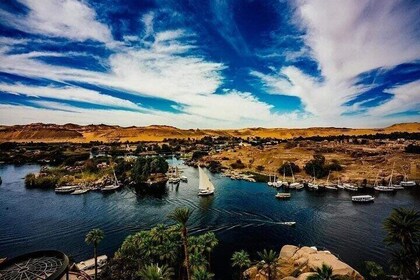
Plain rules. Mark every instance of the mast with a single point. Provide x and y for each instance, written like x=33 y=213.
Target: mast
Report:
x=293 y=176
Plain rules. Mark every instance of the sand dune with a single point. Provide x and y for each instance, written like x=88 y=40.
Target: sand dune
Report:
x=39 y=132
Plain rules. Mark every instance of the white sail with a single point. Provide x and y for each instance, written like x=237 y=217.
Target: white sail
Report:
x=204 y=183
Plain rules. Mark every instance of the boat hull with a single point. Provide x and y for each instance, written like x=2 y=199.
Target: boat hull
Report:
x=205 y=193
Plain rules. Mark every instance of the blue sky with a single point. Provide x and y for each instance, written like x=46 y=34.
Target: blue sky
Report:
x=210 y=64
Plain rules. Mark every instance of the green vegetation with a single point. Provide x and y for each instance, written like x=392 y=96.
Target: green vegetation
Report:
x=323 y=273
x=403 y=235
x=269 y=262
x=240 y=260
x=163 y=253
x=144 y=167
x=374 y=271
x=94 y=237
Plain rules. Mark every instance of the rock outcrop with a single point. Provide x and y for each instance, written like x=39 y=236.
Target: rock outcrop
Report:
x=296 y=263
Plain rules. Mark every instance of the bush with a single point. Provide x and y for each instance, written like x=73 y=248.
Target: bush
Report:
x=214 y=166
x=334 y=166
x=45 y=182
x=143 y=167
x=260 y=168
x=414 y=149
x=238 y=164
x=287 y=167
x=199 y=154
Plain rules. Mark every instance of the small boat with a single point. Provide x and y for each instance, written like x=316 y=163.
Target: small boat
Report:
x=329 y=186
x=184 y=178
x=350 y=187
x=65 y=189
x=408 y=183
x=362 y=198
x=80 y=191
x=288 y=223
x=283 y=195
x=299 y=186
x=205 y=186
x=381 y=188
x=313 y=186
x=113 y=187
x=398 y=187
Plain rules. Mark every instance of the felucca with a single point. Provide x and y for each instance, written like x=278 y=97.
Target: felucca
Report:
x=205 y=186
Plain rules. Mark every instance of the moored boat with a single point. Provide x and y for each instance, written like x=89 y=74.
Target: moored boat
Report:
x=80 y=191
x=65 y=189
x=362 y=198
x=350 y=187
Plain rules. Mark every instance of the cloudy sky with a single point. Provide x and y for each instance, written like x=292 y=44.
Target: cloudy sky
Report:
x=210 y=64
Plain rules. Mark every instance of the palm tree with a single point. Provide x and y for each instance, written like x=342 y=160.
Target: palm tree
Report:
x=94 y=237
x=240 y=259
x=181 y=215
x=403 y=229
x=210 y=242
x=202 y=274
x=197 y=261
x=323 y=273
x=155 y=272
x=269 y=258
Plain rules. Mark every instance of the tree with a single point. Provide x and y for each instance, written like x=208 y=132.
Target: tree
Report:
x=155 y=272
x=323 y=273
x=269 y=258
x=403 y=232
x=240 y=259
x=316 y=166
x=202 y=274
x=181 y=215
x=287 y=168
x=374 y=271
x=94 y=237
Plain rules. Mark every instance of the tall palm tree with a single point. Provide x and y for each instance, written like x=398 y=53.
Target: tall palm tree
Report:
x=198 y=261
x=94 y=237
x=269 y=258
x=240 y=259
x=403 y=229
x=155 y=272
x=181 y=215
x=202 y=274
x=323 y=273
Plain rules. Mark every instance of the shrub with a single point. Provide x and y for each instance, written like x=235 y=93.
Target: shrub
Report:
x=287 y=167
x=238 y=164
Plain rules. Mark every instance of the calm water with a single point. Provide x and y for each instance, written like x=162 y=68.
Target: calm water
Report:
x=243 y=215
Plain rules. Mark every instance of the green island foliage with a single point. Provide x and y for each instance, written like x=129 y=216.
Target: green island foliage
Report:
x=144 y=167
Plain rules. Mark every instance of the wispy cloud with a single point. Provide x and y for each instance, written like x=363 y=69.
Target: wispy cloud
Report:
x=59 y=18
x=346 y=38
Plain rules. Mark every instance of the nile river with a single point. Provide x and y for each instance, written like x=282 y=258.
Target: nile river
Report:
x=243 y=215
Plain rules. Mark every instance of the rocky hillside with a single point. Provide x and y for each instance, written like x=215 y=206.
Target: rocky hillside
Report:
x=39 y=132
x=296 y=263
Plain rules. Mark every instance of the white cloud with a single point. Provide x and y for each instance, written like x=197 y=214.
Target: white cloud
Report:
x=70 y=19
x=405 y=98
x=68 y=93
x=346 y=38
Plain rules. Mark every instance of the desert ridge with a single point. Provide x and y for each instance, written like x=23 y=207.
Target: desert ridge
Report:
x=39 y=132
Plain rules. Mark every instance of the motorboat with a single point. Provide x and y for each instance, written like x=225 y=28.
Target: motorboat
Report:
x=362 y=198
x=205 y=186
x=283 y=195
x=65 y=189
x=288 y=223
x=398 y=186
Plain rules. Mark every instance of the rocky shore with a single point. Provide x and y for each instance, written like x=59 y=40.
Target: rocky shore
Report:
x=297 y=263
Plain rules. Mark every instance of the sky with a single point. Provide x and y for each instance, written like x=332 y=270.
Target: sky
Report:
x=210 y=64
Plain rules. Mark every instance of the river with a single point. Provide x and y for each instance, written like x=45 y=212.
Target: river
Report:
x=243 y=215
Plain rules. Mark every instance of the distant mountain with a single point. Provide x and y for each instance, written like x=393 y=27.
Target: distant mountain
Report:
x=39 y=132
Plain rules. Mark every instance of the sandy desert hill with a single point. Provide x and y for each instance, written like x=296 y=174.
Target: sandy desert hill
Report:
x=39 y=132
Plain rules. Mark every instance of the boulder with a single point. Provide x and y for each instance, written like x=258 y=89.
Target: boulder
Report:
x=288 y=251
x=305 y=275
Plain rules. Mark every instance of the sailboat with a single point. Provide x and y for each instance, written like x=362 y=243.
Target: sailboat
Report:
x=294 y=185
x=381 y=188
x=328 y=185
x=407 y=183
x=205 y=187
x=313 y=185
x=174 y=173
x=339 y=184
x=112 y=187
